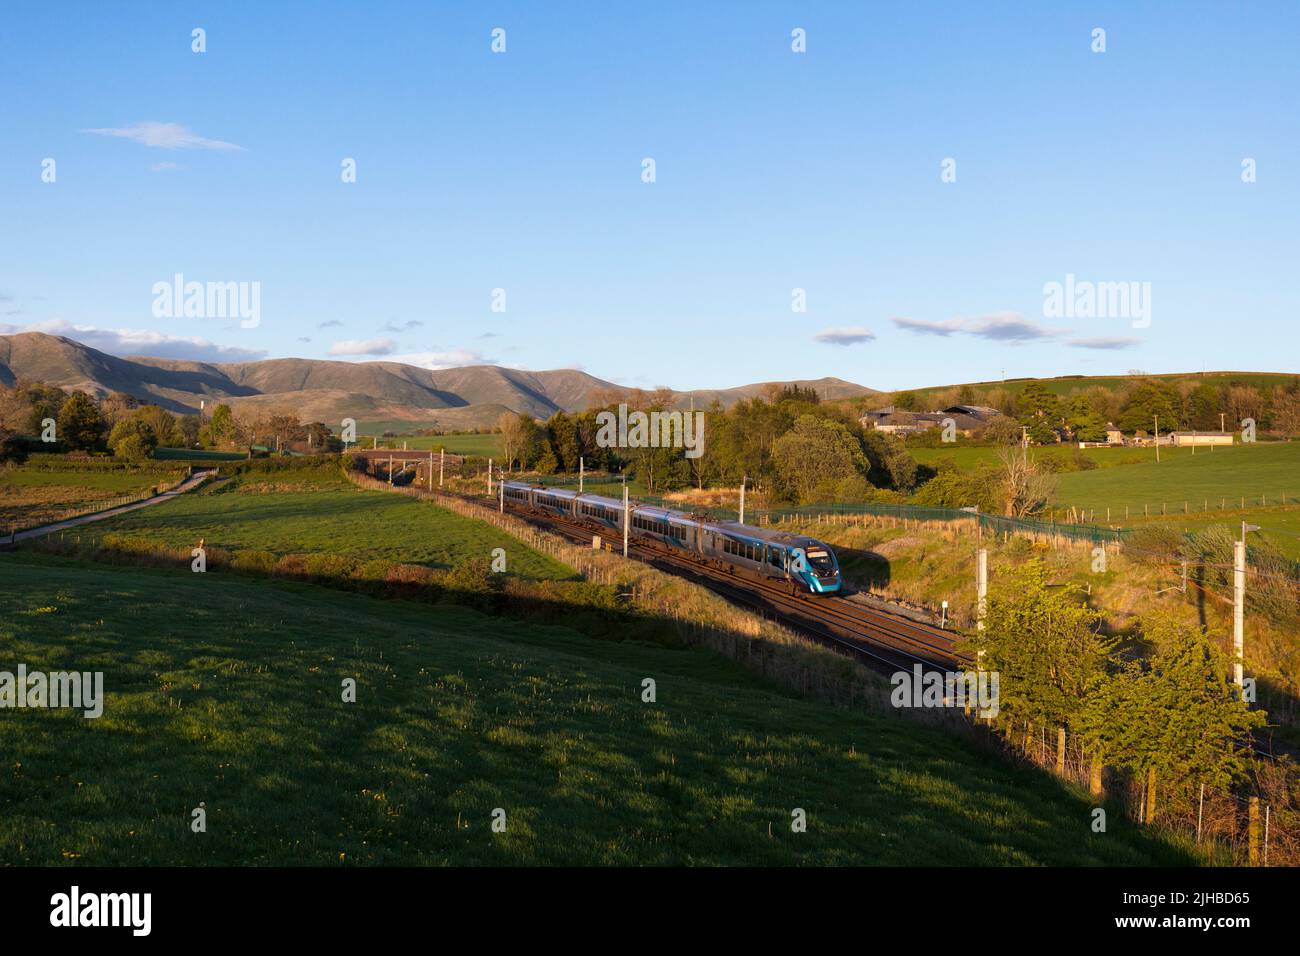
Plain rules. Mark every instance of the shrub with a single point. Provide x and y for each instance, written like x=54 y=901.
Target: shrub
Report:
x=254 y=562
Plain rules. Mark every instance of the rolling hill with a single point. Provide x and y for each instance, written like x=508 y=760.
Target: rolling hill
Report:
x=467 y=397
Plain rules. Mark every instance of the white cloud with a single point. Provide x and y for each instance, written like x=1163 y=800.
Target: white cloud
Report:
x=141 y=342
x=850 y=335
x=362 y=347
x=453 y=358
x=164 y=136
x=164 y=167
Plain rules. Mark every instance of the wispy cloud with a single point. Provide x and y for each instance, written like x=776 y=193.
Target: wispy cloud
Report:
x=404 y=327
x=164 y=167
x=1111 y=343
x=996 y=326
x=850 y=335
x=922 y=327
x=362 y=347
x=141 y=342
x=164 y=136
x=452 y=358
x=330 y=324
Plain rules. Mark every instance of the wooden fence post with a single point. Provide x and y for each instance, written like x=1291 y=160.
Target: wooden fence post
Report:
x=1253 y=827
x=1094 y=778
x=1060 y=751
x=1151 y=796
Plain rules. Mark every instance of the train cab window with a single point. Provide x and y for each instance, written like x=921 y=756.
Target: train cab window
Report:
x=774 y=558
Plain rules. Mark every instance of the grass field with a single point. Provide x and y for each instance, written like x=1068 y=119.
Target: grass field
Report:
x=487 y=446
x=228 y=695
x=32 y=495
x=1249 y=471
x=317 y=510
x=972 y=456
x=1072 y=384
x=196 y=454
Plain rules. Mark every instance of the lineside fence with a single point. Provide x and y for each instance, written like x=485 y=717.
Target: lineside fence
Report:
x=845 y=513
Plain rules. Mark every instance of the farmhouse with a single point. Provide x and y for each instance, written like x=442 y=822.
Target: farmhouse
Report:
x=1182 y=439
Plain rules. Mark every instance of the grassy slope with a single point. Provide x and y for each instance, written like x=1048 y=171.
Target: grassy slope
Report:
x=1249 y=470
x=1079 y=383
x=32 y=495
x=459 y=714
x=316 y=510
x=485 y=445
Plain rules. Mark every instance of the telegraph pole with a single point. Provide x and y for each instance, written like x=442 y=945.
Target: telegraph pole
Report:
x=442 y=458
x=390 y=469
x=582 y=471
x=489 y=476
x=627 y=516
x=743 y=481
x=502 y=486
x=981 y=587
x=1239 y=607
x=431 y=469
x=1239 y=604
x=1157 y=439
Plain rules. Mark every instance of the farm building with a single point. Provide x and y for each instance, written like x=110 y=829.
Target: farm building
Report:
x=1200 y=438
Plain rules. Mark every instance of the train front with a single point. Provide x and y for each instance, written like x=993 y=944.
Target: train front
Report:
x=822 y=574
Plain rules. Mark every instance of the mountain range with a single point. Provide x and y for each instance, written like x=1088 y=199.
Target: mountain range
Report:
x=471 y=396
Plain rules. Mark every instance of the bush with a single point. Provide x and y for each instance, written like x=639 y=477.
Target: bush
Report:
x=254 y=562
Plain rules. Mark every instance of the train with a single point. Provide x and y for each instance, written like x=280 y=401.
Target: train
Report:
x=806 y=565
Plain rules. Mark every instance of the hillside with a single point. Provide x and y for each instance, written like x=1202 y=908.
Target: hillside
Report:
x=458 y=714
x=467 y=397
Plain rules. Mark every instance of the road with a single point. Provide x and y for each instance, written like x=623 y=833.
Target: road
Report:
x=187 y=485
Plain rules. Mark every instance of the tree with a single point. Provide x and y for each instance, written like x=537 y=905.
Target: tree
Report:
x=80 y=423
x=188 y=426
x=1040 y=411
x=1045 y=644
x=562 y=434
x=1176 y=713
x=514 y=433
x=1085 y=421
x=891 y=465
x=1025 y=484
x=132 y=439
x=161 y=421
x=1147 y=400
x=222 y=426
x=907 y=401
x=815 y=454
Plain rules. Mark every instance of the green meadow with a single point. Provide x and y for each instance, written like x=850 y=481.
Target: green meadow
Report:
x=226 y=693
x=317 y=510
x=486 y=446
x=1270 y=470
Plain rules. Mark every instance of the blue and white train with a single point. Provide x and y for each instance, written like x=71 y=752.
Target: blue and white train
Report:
x=806 y=564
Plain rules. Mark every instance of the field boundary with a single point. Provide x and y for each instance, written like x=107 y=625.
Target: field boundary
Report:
x=110 y=509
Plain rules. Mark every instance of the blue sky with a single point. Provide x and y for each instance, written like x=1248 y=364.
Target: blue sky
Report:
x=774 y=171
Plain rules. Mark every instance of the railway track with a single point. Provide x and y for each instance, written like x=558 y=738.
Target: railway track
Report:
x=883 y=641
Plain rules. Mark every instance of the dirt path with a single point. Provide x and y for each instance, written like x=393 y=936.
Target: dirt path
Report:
x=187 y=485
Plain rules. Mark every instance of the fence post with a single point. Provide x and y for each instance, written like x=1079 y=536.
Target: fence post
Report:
x=1151 y=796
x=1094 y=778
x=1253 y=828
x=1060 y=751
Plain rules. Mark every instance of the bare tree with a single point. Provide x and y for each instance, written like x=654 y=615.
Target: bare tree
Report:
x=513 y=434
x=1026 y=486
